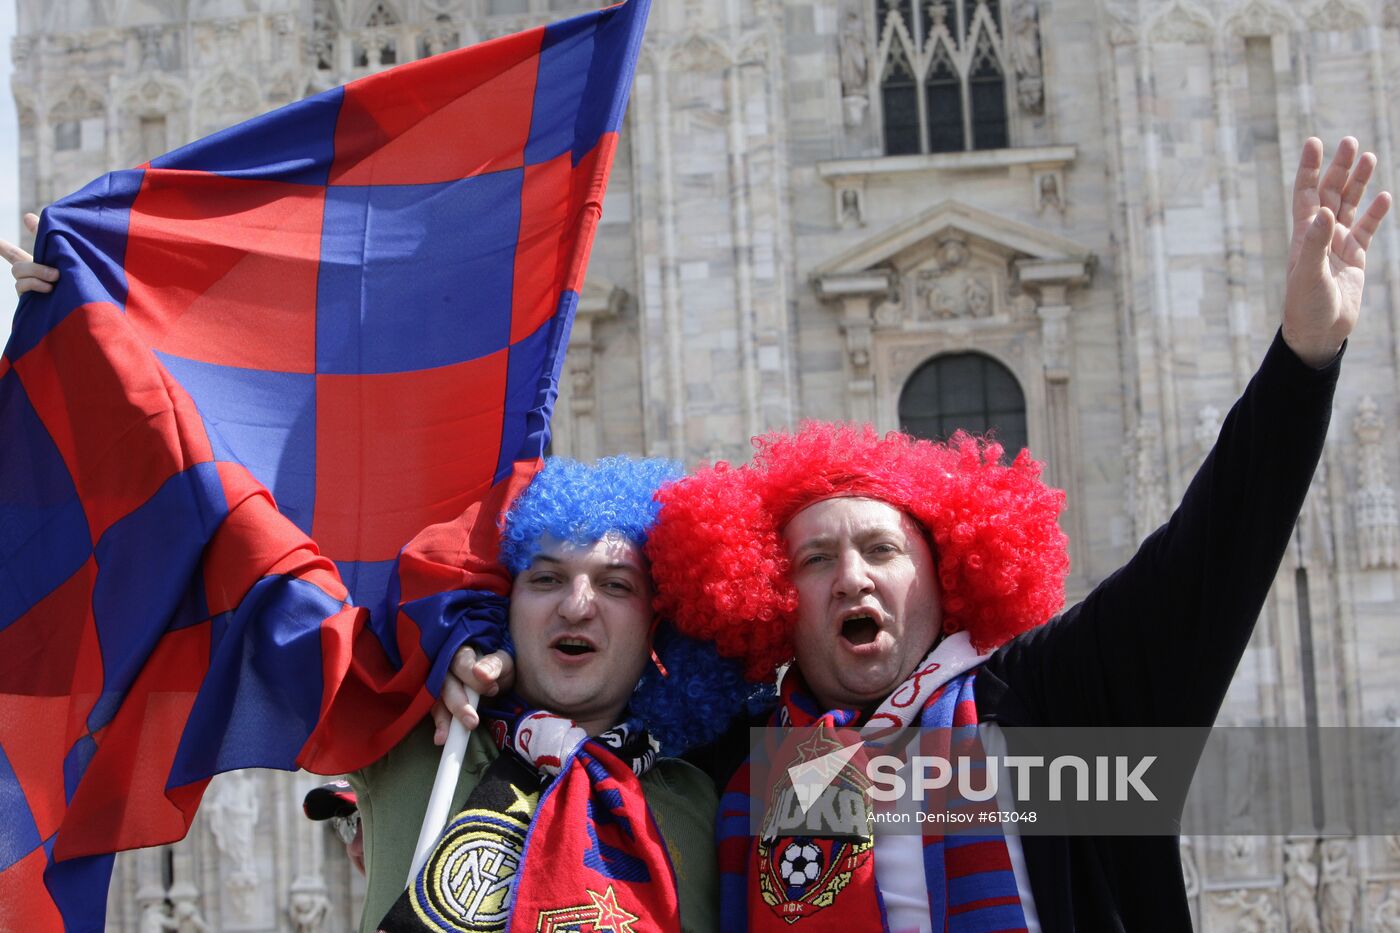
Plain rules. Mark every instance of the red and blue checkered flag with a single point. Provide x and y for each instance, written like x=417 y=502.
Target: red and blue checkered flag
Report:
x=274 y=358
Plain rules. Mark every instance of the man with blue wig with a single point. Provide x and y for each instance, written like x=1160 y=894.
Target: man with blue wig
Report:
x=570 y=769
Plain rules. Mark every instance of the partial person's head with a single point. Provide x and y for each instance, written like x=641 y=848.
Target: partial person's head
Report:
x=853 y=553
x=581 y=616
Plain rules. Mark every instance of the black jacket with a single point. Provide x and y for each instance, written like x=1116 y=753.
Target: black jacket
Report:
x=1157 y=642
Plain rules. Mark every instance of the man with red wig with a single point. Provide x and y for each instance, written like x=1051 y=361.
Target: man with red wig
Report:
x=915 y=584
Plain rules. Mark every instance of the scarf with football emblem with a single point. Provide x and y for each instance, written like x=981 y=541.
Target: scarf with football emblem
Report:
x=557 y=836
x=827 y=884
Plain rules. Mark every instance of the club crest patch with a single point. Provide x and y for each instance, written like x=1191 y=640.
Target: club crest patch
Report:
x=602 y=915
x=800 y=875
x=468 y=879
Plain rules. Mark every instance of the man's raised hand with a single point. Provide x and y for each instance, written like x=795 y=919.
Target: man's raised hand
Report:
x=487 y=675
x=1327 y=255
x=30 y=276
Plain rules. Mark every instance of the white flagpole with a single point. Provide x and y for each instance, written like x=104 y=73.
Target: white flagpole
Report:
x=440 y=800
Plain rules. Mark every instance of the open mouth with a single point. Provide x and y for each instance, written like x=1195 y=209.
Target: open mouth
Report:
x=574 y=647
x=860 y=629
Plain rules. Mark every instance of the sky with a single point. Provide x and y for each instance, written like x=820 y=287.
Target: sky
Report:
x=9 y=162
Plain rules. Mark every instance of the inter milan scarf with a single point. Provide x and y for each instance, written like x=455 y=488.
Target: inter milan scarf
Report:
x=556 y=837
x=827 y=885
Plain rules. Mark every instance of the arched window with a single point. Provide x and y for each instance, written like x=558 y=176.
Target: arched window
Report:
x=970 y=391
x=956 y=98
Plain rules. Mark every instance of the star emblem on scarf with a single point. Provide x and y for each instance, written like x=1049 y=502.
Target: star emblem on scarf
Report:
x=611 y=917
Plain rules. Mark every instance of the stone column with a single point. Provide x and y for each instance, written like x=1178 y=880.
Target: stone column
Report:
x=857 y=294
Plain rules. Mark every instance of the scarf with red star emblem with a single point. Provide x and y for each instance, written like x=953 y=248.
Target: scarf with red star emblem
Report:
x=827 y=884
x=556 y=838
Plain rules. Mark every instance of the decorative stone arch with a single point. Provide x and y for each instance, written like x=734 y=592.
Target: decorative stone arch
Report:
x=224 y=97
x=140 y=105
x=698 y=52
x=958 y=278
x=1262 y=18
x=1338 y=16
x=1182 y=22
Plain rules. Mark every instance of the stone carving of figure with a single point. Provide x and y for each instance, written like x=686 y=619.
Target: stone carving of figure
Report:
x=1338 y=887
x=953 y=252
x=309 y=905
x=1049 y=189
x=852 y=211
x=1300 y=886
x=979 y=297
x=1377 y=516
x=1025 y=55
x=1251 y=912
x=154 y=919
x=855 y=60
x=1386 y=917
x=233 y=817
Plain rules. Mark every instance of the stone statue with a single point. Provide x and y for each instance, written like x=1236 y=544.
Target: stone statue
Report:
x=309 y=905
x=1338 y=887
x=1024 y=33
x=233 y=818
x=855 y=60
x=1300 y=886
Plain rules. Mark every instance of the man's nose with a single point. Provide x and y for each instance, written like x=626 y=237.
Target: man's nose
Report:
x=580 y=602
x=852 y=574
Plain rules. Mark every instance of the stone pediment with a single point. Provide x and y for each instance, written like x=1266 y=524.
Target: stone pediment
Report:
x=1037 y=254
x=955 y=261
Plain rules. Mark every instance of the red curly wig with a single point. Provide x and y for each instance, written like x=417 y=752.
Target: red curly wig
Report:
x=721 y=567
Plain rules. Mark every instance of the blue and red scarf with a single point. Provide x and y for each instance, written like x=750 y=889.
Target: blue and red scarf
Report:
x=828 y=885
x=557 y=836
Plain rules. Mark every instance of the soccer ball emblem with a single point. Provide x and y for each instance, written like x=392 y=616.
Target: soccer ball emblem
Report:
x=801 y=864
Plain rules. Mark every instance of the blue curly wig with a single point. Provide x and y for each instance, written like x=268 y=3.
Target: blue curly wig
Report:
x=579 y=503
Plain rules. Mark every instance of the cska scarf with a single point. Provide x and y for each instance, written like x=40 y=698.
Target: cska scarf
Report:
x=827 y=884
x=556 y=837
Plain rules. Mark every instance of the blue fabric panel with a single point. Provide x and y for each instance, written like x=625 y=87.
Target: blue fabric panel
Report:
x=525 y=431
x=447 y=621
x=265 y=421
x=18 y=834
x=79 y=890
x=295 y=143
x=75 y=765
x=145 y=563
x=262 y=696
x=581 y=94
x=84 y=237
x=44 y=535
x=386 y=302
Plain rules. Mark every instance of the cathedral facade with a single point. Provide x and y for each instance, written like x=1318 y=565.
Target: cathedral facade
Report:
x=1063 y=220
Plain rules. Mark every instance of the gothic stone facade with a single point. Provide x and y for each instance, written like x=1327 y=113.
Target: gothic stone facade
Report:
x=818 y=201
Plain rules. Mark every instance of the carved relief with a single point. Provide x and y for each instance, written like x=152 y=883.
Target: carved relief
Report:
x=1339 y=887
x=950 y=285
x=1245 y=911
x=1260 y=18
x=1315 y=524
x=1023 y=33
x=184 y=898
x=1048 y=192
x=227 y=92
x=1377 y=519
x=1147 y=497
x=308 y=906
x=1182 y=23
x=850 y=205
x=232 y=809
x=1300 y=879
x=1337 y=16
x=1385 y=918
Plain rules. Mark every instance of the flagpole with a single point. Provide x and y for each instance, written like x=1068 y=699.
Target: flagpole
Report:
x=440 y=800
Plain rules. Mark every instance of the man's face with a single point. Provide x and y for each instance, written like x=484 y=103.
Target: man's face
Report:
x=867 y=599
x=580 y=617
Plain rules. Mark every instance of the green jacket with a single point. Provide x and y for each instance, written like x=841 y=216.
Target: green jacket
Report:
x=393 y=796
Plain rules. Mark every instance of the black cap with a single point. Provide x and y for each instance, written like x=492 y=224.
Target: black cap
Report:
x=328 y=800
